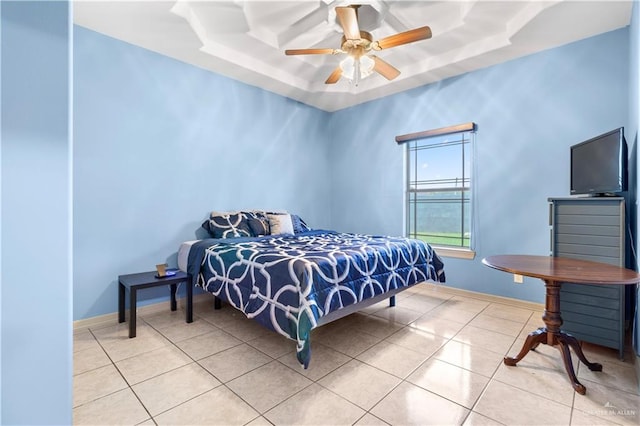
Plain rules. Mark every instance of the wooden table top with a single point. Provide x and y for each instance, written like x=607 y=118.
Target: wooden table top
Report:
x=562 y=269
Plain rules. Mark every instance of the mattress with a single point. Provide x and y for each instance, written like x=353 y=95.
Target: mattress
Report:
x=183 y=254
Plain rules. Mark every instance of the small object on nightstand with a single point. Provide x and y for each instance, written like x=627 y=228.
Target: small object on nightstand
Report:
x=161 y=270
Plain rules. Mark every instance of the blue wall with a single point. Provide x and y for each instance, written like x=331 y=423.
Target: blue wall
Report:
x=1 y=365
x=159 y=144
x=633 y=129
x=529 y=111
x=151 y=122
x=36 y=299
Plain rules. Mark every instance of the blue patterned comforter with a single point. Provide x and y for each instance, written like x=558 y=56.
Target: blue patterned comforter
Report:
x=288 y=283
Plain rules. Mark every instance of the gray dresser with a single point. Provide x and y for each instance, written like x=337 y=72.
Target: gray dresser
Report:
x=591 y=229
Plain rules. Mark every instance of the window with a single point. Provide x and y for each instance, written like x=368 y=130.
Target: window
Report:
x=439 y=186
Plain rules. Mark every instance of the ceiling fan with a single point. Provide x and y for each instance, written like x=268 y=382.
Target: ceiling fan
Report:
x=358 y=45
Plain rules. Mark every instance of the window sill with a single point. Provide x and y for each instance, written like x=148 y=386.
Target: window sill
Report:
x=457 y=253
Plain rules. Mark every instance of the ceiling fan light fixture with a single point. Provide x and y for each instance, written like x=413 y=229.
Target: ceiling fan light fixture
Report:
x=356 y=69
x=366 y=66
x=358 y=45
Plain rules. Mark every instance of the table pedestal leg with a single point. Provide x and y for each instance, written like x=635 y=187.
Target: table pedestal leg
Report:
x=552 y=335
x=570 y=341
x=533 y=340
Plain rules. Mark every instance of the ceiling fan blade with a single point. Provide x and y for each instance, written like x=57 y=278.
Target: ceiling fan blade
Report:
x=349 y=22
x=310 y=51
x=334 y=77
x=410 y=36
x=384 y=68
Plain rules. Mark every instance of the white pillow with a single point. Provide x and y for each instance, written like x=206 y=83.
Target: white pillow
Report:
x=280 y=224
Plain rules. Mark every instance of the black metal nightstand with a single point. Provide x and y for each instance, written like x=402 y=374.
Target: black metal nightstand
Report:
x=135 y=282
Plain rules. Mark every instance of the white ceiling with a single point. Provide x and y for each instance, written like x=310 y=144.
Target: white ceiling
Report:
x=245 y=40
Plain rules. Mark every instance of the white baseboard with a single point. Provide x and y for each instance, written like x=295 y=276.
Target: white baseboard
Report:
x=112 y=318
x=488 y=297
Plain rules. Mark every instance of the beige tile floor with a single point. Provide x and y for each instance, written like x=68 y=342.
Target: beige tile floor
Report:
x=435 y=358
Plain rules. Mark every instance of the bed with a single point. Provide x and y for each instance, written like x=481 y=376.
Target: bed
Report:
x=294 y=281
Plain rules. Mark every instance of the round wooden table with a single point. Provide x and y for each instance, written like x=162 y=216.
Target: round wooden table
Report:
x=554 y=271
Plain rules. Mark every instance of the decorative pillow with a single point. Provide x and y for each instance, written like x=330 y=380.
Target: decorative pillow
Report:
x=227 y=225
x=258 y=222
x=280 y=224
x=298 y=224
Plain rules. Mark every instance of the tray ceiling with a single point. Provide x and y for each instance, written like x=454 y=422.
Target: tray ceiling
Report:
x=245 y=40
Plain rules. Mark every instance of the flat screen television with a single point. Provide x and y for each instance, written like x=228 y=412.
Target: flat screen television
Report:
x=599 y=165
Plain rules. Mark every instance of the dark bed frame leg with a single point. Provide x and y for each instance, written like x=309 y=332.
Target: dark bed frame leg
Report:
x=392 y=301
x=217 y=303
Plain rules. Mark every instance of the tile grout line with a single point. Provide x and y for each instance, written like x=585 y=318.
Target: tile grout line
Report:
x=222 y=384
x=121 y=375
x=350 y=358
x=243 y=342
